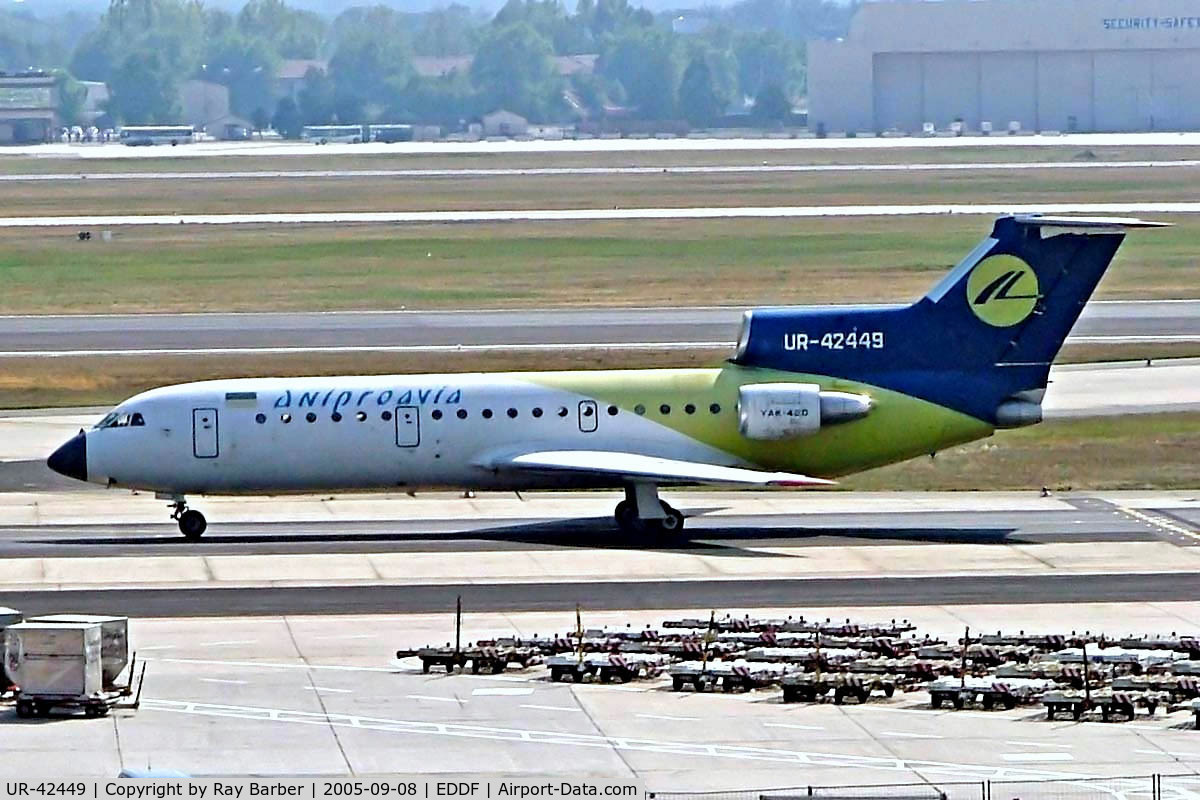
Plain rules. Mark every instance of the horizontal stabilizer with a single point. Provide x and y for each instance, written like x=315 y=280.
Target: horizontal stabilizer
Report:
x=633 y=467
x=1087 y=222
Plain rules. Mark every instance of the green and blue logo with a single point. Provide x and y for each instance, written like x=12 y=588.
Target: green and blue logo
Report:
x=1002 y=290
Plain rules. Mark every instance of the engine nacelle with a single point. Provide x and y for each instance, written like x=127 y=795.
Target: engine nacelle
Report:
x=787 y=410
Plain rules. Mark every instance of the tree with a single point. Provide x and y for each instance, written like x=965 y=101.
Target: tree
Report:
x=260 y=119
x=698 y=98
x=447 y=31
x=514 y=69
x=247 y=66
x=316 y=101
x=370 y=64
x=143 y=90
x=765 y=58
x=646 y=64
x=292 y=33
x=71 y=96
x=772 y=104
x=287 y=119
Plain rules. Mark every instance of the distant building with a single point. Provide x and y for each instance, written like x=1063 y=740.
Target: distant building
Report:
x=290 y=77
x=1056 y=65
x=28 y=107
x=205 y=107
x=504 y=123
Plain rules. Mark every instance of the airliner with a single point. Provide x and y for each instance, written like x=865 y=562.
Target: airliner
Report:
x=811 y=394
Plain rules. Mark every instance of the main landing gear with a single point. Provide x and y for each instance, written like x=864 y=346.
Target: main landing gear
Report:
x=643 y=512
x=192 y=523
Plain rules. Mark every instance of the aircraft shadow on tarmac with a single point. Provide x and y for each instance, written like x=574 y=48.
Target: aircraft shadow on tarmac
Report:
x=595 y=533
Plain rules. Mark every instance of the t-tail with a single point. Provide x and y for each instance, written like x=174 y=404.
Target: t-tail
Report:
x=980 y=342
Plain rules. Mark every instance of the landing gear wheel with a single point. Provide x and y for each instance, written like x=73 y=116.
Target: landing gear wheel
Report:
x=192 y=524
x=673 y=522
x=627 y=518
x=25 y=709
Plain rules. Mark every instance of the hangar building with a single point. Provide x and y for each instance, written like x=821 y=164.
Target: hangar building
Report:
x=1051 y=65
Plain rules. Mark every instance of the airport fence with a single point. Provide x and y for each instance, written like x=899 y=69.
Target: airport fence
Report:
x=1124 y=787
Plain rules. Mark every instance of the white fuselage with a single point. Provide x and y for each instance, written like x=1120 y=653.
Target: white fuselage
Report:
x=377 y=432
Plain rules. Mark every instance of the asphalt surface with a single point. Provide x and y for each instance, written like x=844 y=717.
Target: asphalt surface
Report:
x=617 y=595
x=732 y=536
x=713 y=326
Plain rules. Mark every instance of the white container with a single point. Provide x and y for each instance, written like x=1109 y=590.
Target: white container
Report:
x=114 y=639
x=48 y=660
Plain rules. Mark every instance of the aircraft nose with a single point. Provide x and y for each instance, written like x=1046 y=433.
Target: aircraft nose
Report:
x=71 y=458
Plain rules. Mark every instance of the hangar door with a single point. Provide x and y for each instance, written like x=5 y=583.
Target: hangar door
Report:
x=898 y=88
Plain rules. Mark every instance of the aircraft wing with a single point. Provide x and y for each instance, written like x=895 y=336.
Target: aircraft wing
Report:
x=631 y=466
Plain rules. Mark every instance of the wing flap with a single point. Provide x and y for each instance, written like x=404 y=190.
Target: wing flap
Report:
x=632 y=466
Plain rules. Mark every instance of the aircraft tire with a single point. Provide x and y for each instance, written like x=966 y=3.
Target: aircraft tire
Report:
x=192 y=524
x=627 y=518
x=673 y=522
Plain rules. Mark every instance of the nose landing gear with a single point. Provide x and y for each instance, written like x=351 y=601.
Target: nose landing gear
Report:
x=642 y=512
x=192 y=523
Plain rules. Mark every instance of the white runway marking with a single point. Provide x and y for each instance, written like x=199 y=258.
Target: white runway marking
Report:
x=270 y=665
x=550 y=708
x=1040 y=744
x=599 y=214
x=327 y=689
x=906 y=735
x=432 y=697
x=223 y=680
x=229 y=642
x=792 y=727
x=1037 y=757
x=698 y=749
x=309 y=174
x=667 y=717
x=502 y=691
x=431 y=348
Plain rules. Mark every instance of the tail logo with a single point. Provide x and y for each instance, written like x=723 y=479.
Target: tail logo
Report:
x=1002 y=290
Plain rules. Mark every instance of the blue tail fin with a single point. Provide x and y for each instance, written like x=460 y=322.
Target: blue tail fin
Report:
x=981 y=341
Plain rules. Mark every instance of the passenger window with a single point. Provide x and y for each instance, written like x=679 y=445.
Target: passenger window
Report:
x=285 y=418
x=612 y=411
x=512 y=413
x=715 y=408
x=311 y=417
x=437 y=413
x=487 y=413
x=689 y=409
x=639 y=409
x=361 y=416
x=260 y=418
x=387 y=415
x=562 y=411
x=462 y=413
x=664 y=409
x=537 y=412
x=336 y=417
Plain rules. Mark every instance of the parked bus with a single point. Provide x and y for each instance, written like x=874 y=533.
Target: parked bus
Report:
x=324 y=134
x=391 y=133
x=144 y=135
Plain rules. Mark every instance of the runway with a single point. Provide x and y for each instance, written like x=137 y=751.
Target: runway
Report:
x=595 y=214
x=501 y=172
x=692 y=143
x=700 y=327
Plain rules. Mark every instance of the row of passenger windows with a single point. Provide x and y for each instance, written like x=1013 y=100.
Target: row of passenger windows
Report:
x=462 y=413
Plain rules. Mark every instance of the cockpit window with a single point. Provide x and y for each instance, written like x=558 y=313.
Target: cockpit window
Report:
x=122 y=420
